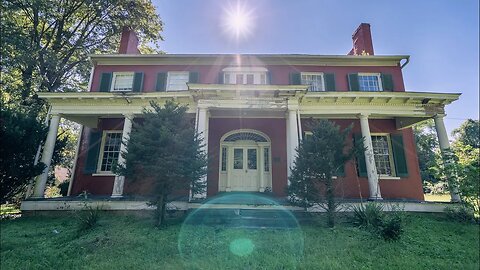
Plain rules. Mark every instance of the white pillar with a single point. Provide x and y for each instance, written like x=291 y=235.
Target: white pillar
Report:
x=202 y=129
x=119 y=182
x=292 y=136
x=370 y=159
x=48 y=148
x=444 y=147
x=77 y=149
x=300 y=131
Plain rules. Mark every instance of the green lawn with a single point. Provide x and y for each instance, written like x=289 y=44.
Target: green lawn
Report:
x=119 y=242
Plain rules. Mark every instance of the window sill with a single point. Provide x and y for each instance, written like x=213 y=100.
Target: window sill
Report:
x=389 y=178
x=104 y=174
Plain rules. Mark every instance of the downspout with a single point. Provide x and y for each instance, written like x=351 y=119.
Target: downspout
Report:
x=406 y=62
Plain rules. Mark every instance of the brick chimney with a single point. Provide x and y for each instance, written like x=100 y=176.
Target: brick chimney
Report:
x=128 y=42
x=362 y=41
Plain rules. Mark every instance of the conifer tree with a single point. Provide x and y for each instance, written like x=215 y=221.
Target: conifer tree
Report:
x=165 y=150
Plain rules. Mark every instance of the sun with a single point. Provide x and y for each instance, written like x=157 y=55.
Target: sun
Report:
x=238 y=21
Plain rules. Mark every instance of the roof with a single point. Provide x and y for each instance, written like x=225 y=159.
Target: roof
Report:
x=249 y=59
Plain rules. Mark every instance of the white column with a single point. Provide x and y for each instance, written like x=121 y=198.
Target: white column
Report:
x=119 y=182
x=77 y=149
x=262 y=168
x=444 y=147
x=41 y=180
x=202 y=129
x=292 y=136
x=370 y=159
x=299 y=120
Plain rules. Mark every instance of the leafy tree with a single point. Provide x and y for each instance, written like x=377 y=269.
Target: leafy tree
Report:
x=20 y=133
x=165 y=149
x=468 y=133
x=320 y=157
x=45 y=46
x=428 y=152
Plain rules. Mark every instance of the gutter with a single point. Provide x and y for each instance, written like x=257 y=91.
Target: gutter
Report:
x=406 y=62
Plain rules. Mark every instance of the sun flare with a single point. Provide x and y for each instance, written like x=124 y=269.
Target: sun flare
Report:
x=238 y=21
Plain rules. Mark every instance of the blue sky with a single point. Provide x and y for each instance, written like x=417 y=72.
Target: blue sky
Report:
x=441 y=36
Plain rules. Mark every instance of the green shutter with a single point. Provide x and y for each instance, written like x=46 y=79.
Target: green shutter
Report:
x=387 y=82
x=399 y=155
x=269 y=78
x=94 y=142
x=137 y=82
x=220 y=78
x=295 y=78
x=361 y=165
x=161 y=85
x=193 y=77
x=329 y=81
x=105 y=82
x=353 y=84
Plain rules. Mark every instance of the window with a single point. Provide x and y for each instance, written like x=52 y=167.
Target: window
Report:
x=245 y=75
x=382 y=154
x=177 y=81
x=266 y=159
x=314 y=79
x=111 y=142
x=122 y=81
x=369 y=82
x=224 y=158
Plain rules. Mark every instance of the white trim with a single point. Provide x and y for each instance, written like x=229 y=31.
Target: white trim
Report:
x=100 y=156
x=245 y=69
x=244 y=130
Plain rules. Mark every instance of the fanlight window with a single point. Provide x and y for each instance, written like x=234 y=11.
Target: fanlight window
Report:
x=245 y=136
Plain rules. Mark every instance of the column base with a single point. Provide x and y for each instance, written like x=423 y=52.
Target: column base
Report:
x=116 y=196
x=375 y=199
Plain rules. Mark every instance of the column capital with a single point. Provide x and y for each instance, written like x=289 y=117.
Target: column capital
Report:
x=439 y=116
x=129 y=115
x=363 y=115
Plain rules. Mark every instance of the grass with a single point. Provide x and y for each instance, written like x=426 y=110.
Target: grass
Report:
x=118 y=242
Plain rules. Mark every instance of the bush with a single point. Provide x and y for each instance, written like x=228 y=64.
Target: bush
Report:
x=392 y=226
x=461 y=214
x=368 y=215
x=371 y=216
x=88 y=218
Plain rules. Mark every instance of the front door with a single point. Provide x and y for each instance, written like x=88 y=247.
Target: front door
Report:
x=245 y=173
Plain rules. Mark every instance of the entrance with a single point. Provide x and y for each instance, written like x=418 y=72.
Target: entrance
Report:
x=245 y=162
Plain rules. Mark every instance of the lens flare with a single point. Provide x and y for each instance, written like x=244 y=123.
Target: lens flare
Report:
x=238 y=21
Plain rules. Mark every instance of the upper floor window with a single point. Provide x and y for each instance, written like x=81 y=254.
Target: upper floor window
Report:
x=122 y=81
x=245 y=75
x=370 y=82
x=314 y=80
x=177 y=80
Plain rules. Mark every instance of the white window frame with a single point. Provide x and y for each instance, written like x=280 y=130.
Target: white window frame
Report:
x=314 y=74
x=390 y=154
x=170 y=77
x=102 y=146
x=114 y=79
x=379 y=78
x=259 y=75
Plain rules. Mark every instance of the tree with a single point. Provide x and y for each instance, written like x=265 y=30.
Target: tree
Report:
x=320 y=157
x=20 y=133
x=468 y=133
x=165 y=150
x=45 y=46
x=428 y=152
x=466 y=153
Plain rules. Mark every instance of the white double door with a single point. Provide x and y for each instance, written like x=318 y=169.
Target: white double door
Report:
x=245 y=168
